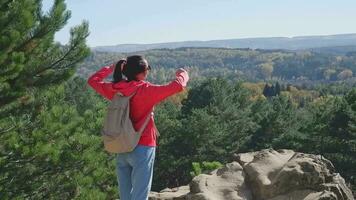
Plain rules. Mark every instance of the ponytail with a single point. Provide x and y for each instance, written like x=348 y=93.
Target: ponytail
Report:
x=131 y=66
x=118 y=72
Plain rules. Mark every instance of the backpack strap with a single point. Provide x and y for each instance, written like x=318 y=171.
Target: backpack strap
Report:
x=147 y=118
x=158 y=134
x=145 y=123
x=133 y=94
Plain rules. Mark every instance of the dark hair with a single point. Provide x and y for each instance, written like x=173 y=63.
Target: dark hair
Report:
x=133 y=65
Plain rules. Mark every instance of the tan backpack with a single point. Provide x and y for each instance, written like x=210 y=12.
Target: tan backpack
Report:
x=118 y=133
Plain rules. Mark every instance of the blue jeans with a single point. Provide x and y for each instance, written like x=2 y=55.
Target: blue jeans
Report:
x=135 y=171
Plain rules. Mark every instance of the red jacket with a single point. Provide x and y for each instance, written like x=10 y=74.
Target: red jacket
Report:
x=146 y=97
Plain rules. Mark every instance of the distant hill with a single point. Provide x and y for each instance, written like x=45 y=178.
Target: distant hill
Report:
x=296 y=67
x=293 y=43
x=335 y=50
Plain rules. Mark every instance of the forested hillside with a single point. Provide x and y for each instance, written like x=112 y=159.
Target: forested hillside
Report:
x=298 y=68
x=290 y=43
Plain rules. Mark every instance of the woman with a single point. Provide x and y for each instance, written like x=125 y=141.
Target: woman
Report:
x=135 y=169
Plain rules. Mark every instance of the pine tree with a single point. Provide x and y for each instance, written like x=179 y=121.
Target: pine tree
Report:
x=332 y=130
x=214 y=122
x=29 y=57
x=31 y=63
x=266 y=90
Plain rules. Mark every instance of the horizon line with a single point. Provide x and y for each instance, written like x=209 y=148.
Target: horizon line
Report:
x=241 y=38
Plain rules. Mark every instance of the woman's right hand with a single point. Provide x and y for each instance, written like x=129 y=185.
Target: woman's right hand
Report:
x=182 y=76
x=181 y=70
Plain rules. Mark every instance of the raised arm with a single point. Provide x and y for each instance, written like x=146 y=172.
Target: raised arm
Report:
x=158 y=93
x=97 y=83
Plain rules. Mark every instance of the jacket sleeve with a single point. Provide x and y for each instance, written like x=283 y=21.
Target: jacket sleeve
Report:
x=158 y=93
x=97 y=83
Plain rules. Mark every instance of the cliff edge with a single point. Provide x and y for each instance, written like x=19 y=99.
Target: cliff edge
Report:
x=265 y=175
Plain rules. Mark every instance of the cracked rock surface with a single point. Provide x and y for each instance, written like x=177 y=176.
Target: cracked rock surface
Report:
x=265 y=175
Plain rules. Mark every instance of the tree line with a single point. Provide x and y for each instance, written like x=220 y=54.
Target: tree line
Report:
x=240 y=64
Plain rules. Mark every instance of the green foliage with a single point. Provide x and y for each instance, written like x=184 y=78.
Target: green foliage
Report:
x=41 y=135
x=333 y=131
x=196 y=169
x=204 y=167
x=29 y=57
x=274 y=117
x=302 y=67
x=218 y=118
x=272 y=90
x=60 y=153
x=209 y=131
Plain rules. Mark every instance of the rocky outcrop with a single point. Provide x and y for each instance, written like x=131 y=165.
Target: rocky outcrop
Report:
x=265 y=175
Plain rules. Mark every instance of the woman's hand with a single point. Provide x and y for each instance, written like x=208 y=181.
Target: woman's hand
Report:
x=182 y=76
x=181 y=70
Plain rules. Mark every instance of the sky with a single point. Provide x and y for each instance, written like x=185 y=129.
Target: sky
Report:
x=113 y=22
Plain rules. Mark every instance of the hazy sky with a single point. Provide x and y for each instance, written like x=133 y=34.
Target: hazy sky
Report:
x=151 y=21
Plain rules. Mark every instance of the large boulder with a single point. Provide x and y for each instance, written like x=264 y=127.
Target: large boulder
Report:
x=265 y=175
